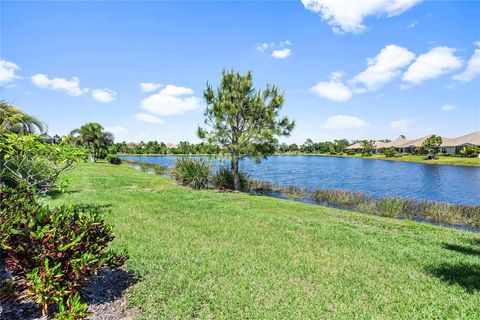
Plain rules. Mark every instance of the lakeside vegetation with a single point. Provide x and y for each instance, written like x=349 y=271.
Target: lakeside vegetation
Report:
x=201 y=254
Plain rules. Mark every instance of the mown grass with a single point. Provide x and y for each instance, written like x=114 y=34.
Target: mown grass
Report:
x=207 y=254
x=457 y=161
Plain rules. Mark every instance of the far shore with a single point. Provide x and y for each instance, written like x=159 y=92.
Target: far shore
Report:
x=441 y=159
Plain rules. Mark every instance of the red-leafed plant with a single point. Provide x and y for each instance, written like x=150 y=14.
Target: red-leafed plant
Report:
x=53 y=253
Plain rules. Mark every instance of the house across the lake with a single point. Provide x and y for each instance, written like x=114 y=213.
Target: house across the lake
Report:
x=449 y=145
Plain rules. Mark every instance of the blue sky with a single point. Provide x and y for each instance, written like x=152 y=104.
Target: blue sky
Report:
x=358 y=69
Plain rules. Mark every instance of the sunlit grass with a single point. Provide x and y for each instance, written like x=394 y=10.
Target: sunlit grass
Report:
x=209 y=254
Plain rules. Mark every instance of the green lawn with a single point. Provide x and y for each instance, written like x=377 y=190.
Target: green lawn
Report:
x=457 y=161
x=205 y=254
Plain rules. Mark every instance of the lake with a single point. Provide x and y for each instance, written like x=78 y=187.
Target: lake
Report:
x=380 y=178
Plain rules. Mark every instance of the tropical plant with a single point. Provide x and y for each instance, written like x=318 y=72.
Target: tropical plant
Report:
x=13 y=120
x=243 y=122
x=470 y=151
x=193 y=173
x=29 y=163
x=51 y=254
x=432 y=145
x=94 y=138
x=367 y=147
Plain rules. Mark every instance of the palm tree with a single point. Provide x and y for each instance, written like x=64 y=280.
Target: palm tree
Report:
x=92 y=136
x=13 y=120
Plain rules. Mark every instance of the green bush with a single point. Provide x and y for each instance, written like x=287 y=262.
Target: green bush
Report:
x=223 y=180
x=470 y=151
x=26 y=162
x=192 y=173
x=350 y=152
x=113 y=159
x=53 y=253
x=389 y=152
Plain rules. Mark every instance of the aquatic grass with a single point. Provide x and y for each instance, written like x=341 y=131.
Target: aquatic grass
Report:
x=339 y=197
x=190 y=172
x=438 y=212
x=147 y=167
x=292 y=191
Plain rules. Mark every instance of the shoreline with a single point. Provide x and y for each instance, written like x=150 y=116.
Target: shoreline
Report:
x=442 y=160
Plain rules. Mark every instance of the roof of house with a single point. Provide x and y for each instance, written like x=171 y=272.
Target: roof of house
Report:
x=471 y=138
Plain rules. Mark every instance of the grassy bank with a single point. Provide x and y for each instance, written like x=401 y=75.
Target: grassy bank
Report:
x=205 y=254
x=456 y=161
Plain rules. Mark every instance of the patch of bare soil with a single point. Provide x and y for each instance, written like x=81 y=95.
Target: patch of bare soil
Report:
x=105 y=295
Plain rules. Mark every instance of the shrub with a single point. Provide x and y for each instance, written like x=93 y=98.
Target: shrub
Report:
x=113 y=159
x=470 y=151
x=350 y=152
x=26 y=162
x=53 y=253
x=389 y=152
x=223 y=180
x=191 y=172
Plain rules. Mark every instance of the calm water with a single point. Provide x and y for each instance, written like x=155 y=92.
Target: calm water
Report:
x=453 y=184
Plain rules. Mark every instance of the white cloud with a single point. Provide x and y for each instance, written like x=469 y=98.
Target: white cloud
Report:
x=430 y=65
x=334 y=89
x=282 y=53
x=341 y=122
x=7 y=71
x=412 y=24
x=384 y=67
x=449 y=107
x=148 y=118
x=72 y=86
x=171 y=100
x=149 y=86
x=116 y=130
x=262 y=47
x=348 y=15
x=277 y=50
x=104 y=95
x=473 y=67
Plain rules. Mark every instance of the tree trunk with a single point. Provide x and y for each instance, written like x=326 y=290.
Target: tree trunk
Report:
x=236 y=175
x=94 y=155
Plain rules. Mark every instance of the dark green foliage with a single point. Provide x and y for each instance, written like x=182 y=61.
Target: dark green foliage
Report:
x=53 y=253
x=401 y=208
x=223 y=179
x=389 y=152
x=350 y=152
x=14 y=206
x=113 y=159
x=470 y=151
x=193 y=173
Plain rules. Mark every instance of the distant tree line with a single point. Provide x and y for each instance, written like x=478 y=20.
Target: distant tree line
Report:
x=185 y=147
